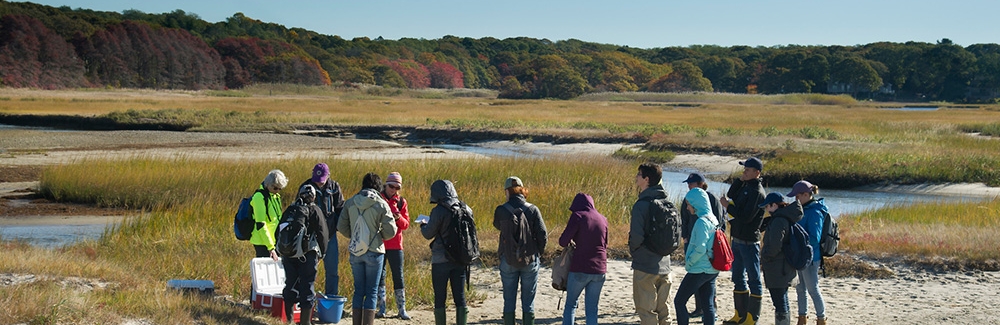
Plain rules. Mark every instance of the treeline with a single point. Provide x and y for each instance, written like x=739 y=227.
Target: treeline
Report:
x=49 y=47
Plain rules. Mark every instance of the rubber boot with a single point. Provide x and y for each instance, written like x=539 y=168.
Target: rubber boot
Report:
x=369 y=317
x=753 y=310
x=802 y=320
x=380 y=302
x=440 y=316
x=821 y=321
x=305 y=318
x=781 y=319
x=401 y=304
x=527 y=318
x=740 y=302
x=462 y=315
x=508 y=319
x=289 y=313
x=356 y=316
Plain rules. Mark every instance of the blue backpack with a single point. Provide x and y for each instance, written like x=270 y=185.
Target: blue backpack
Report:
x=243 y=222
x=798 y=251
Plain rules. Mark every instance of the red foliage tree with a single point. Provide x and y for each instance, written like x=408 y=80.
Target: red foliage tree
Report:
x=250 y=60
x=34 y=56
x=131 y=54
x=414 y=73
x=444 y=75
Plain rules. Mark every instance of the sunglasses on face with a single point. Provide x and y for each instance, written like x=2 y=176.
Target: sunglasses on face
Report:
x=395 y=187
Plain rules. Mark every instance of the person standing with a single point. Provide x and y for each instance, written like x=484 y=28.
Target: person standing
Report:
x=778 y=274
x=394 y=246
x=588 y=229
x=300 y=272
x=688 y=219
x=367 y=209
x=700 y=278
x=266 y=204
x=443 y=271
x=814 y=213
x=330 y=200
x=522 y=241
x=747 y=193
x=650 y=270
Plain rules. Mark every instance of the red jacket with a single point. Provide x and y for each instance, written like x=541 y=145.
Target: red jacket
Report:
x=403 y=222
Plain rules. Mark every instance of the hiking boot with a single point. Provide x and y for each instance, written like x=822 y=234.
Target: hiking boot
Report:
x=802 y=320
x=740 y=299
x=401 y=304
x=821 y=321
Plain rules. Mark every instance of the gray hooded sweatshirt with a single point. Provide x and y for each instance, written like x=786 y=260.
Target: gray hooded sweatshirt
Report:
x=443 y=193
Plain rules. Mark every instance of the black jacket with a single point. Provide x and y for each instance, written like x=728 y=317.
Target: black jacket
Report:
x=330 y=200
x=746 y=215
x=777 y=272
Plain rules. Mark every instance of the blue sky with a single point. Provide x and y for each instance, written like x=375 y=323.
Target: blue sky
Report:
x=637 y=23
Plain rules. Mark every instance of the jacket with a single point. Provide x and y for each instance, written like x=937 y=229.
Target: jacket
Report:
x=443 y=193
x=777 y=272
x=330 y=200
x=265 y=217
x=688 y=219
x=747 y=216
x=813 y=215
x=368 y=206
x=698 y=253
x=589 y=230
x=644 y=259
x=402 y=223
x=503 y=221
x=315 y=222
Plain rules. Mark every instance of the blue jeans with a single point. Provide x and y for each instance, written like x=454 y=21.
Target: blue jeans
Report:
x=441 y=275
x=509 y=277
x=576 y=283
x=367 y=269
x=330 y=262
x=779 y=297
x=809 y=281
x=702 y=287
x=746 y=267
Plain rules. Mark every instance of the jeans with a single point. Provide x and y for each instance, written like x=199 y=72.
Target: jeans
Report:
x=509 y=277
x=394 y=263
x=576 y=283
x=746 y=267
x=650 y=293
x=330 y=263
x=702 y=287
x=366 y=269
x=441 y=275
x=779 y=297
x=809 y=281
x=300 y=279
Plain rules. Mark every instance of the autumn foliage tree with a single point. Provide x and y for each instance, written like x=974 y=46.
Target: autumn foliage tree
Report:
x=413 y=73
x=249 y=60
x=444 y=75
x=31 y=55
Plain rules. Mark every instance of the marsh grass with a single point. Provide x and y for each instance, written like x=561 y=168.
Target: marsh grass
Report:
x=728 y=98
x=962 y=234
x=187 y=232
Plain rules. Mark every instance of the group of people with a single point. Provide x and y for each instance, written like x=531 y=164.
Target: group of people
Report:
x=374 y=219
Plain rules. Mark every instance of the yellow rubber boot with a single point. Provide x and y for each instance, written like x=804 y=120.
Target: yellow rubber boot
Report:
x=753 y=310
x=740 y=302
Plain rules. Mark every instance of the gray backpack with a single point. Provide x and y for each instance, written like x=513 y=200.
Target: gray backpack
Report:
x=518 y=246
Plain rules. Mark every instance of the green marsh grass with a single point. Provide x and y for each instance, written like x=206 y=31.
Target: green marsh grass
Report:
x=187 y=234
x=949 y=235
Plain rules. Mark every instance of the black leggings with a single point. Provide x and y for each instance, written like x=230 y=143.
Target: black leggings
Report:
x=394 y=263
x=441 y=274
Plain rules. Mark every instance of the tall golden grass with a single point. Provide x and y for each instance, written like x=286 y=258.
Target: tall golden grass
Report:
x=187 y=232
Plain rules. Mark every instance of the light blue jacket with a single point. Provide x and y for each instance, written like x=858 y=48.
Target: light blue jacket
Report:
x=697 y=258
x=813 y=214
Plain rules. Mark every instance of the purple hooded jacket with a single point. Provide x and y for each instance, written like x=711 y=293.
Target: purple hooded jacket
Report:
x=589 y=229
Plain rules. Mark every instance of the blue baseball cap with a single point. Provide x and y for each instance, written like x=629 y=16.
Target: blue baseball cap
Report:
x=695 y=178
x=774 y=197
x=753 y=162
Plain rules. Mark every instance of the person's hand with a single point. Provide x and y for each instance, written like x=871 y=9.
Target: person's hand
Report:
x=724 y=201
x=274 y=255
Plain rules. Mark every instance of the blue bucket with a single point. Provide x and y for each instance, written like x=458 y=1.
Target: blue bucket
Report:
x=330 y=308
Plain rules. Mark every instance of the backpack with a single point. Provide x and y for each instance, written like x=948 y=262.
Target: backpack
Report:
x=518 y=246
x=359 y=235
x=722 y=253
x=662 y=231
x=798 y=251
x=461 y=246
x=292 y=239
x=243 y=222
x=560 y=267
x=829 y=239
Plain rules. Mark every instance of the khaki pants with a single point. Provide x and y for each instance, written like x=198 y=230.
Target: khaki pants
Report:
x=650 y=293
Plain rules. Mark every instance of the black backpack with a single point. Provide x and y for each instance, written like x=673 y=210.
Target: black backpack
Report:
x=662 y=231
x=243 y=222
x=798 y=251
x=292 y=239
x=459 y=238
x=829 y=239
x=519 y=250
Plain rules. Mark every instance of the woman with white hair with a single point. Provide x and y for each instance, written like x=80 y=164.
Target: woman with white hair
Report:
x=266 y=203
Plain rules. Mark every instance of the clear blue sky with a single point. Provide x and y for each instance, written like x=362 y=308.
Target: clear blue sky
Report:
x=636 y=23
